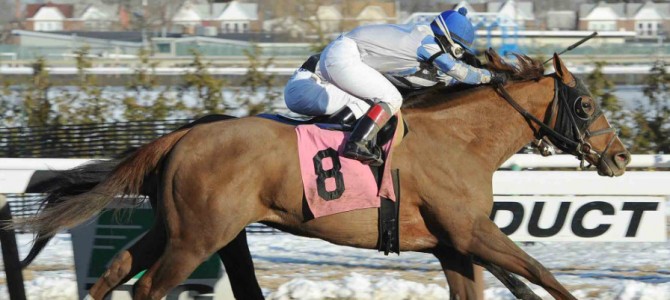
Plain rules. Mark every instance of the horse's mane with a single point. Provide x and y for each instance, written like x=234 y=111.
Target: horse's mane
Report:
x=525 y=69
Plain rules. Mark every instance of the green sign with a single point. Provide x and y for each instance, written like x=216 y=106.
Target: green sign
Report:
x=97 y=243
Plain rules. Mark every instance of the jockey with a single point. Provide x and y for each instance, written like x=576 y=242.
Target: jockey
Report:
x=357 y=75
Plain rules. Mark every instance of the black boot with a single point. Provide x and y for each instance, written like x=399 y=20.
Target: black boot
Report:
x=344 y=117
x=361 y=144
x=311 y=63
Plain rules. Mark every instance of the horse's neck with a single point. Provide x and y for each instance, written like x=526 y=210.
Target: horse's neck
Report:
x=480 y=129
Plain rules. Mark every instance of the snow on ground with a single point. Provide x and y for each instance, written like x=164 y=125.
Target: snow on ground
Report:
x=318 y=270
x=291 y=267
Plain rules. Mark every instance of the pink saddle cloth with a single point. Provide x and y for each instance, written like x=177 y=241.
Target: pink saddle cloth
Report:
x=333 y=183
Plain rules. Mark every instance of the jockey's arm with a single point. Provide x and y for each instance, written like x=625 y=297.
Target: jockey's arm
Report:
x=451 y=66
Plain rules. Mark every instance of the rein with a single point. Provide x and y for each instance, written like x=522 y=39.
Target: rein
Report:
x=577 y=145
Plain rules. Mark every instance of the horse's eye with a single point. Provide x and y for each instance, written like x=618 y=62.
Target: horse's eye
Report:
x=584 y=107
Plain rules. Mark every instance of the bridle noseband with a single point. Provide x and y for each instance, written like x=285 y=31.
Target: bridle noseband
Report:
x=571 y=129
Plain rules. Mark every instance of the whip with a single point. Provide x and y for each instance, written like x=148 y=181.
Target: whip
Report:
x=575 y=45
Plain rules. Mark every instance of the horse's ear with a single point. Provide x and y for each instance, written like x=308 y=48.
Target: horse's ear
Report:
x=495 y=60
x=563 y=72
x=489 y=55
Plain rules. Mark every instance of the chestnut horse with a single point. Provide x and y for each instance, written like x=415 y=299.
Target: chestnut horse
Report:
x=216 y=178
x=235 y=255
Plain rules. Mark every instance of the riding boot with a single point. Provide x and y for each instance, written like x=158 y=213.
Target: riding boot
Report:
x=344 y=117
x=311 y=63
x=361 y=144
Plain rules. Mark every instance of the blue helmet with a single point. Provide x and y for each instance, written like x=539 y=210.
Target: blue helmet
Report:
x=453 y=26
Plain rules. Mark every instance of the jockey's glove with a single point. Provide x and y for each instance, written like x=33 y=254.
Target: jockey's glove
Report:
x=499 y=78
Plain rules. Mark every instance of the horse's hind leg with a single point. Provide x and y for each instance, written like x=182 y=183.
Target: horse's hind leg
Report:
x=240 y=268
x=489 y=243
x=181 y=257
x=459 y=271
x=196 y=228
x=128 y=263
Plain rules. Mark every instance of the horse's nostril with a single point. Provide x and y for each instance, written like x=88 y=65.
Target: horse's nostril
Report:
x=622 y=159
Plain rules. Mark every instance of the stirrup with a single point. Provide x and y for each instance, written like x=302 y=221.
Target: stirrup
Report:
x=363 y=153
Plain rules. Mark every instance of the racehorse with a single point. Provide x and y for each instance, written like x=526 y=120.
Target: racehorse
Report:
x=216 y=178
x=235 y=255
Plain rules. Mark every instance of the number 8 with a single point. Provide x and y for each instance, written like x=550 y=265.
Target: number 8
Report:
x=325 y=174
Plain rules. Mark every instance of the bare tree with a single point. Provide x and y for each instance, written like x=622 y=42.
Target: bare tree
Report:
x=7 y=12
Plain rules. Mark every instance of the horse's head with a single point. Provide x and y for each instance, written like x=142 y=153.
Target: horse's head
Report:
x=575 y=122
x=580 y=118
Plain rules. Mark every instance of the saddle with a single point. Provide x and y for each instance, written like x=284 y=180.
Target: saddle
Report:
x=326 y=122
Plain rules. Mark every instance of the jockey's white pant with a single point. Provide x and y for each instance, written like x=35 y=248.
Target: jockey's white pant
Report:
x=305 y=93
x=348 y=80
x=341 y=65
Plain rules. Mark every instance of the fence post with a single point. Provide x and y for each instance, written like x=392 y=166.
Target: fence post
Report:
x=10 y=254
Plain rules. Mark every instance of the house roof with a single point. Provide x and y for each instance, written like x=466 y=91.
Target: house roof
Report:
x=108 y=10
x=603 y=11
x=515 y=10
x=650 y=11
x=613 y=11
x=239 y=11
x=187 y=13
x=101 y=12
x=66 y=9
x=199 y=10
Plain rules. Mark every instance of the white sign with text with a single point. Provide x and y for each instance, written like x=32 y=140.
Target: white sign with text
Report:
x=585 y=218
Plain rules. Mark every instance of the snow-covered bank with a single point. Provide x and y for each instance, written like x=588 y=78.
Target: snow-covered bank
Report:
x=311 y=269
x=358 y=286
x=291 y=267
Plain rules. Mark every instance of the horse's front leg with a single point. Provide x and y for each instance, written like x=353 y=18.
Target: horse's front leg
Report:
x=473 y=232
x=518 y=288
x=458 y=269
x=463 y=278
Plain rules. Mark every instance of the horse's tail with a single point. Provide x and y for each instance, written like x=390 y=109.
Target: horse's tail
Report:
x=68 y=183
x=126 y=180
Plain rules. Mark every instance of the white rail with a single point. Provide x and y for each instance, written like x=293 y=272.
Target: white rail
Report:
x=129 y=71
x=175 y=71
x=524 y=161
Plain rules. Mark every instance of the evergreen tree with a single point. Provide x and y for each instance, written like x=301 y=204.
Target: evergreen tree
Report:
x=259 y=82
x=140 y=105
x=37 y=106
x=86 y=104
x=653 y=121
x=209 y=89
x=602 y=90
